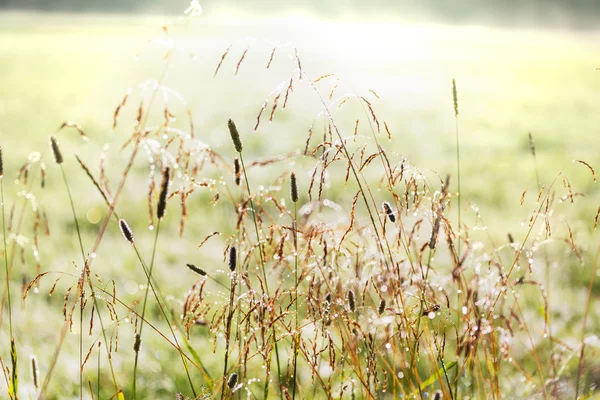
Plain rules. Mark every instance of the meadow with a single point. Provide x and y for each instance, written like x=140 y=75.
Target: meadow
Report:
x=369 y=277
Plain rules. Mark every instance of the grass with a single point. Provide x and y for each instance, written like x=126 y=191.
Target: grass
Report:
x=311 y=258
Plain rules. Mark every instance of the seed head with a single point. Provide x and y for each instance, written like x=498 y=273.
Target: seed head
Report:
x=197 y=270
x=455 y=97
x=328 y=298
x=1 y=164
x=232 y=381
x=351 y=300
x=126 y=231
x=235 y=136
x=34 y=372
x=293 y=188
x=531 y=144
x=237 y=171
x=388 y=210
x=56 y=150
x=161 y=207
x=381 y=307
x=434 y=233
x=232 y=258
x=437 y=395
x=137 y=341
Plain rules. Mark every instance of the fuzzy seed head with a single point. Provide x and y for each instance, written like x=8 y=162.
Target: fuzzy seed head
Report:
x=232 y=258
x=235 y=136
x=232 y=381
x=197 y=270
x=161 y=207
x=293 y=188
x=56 y=150
x=455 y=97
x=381 y=307
x=126 y=231
x=237 y=171
x=351 y=300
x=531 y=144
x=137 y=341
x=387 y=209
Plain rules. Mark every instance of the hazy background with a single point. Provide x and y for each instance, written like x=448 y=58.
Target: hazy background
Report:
x=520 y=66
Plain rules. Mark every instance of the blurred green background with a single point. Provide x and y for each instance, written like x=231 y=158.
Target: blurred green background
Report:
x=526 y=66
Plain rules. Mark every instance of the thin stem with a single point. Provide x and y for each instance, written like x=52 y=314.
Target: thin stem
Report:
x=227 y=334
x=135 y=364
x=459 y=196
x=12 y=339
x=297 y=336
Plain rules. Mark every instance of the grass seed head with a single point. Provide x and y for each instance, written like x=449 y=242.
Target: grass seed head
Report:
x=197 y=270
x=293 y=188
x=388 y=211
x=137 y=341
x=381 y=307
x=126 y=231
x=56 y=150
x=232 y=258
x=232 y=381
x=235 y=136
x=351 y=300
x=237 y=171
x=437 y=395
x=1 y=164
x=161 y=207
x=455 y=97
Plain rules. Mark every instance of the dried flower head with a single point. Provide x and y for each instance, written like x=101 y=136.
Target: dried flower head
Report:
x=232 y=381
x=161 y=207
x=232 y=258
x=235 y=136
x=56 y=150
x=126 y=231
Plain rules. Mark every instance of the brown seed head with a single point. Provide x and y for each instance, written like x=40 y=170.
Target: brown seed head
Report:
x=126 y=231
x=56 y=150
x=351 y=300
x=237 y=171
x=232 y=258
x=388 y=210
x=197 y=270
x=232 y=381
x=161 y=207
x=1 y=164
x=137 y=341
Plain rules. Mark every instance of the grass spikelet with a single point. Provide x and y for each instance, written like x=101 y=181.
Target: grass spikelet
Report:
x=237 y=171
x=455 y=97
x=221 y=61
x=232 y=381
x=35 y=372
x=1 y=165
x=126 y=231
x=71 y=124
x=293 y=188
x=232 y=258
x=531 y=144
x=381 y=307
x=351 y=300
x=387 y=130
x=271 y=57
x=235 y=136
x=161 y=207
x=137 y=342
x=434 y=233
x=197 y=270
x=239 y=64
x=589 y=167
x=387 y=209
x=596 y=218
x=289 y=89
x=56 y=150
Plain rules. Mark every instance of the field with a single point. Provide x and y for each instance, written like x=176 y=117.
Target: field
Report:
x=521 y=308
